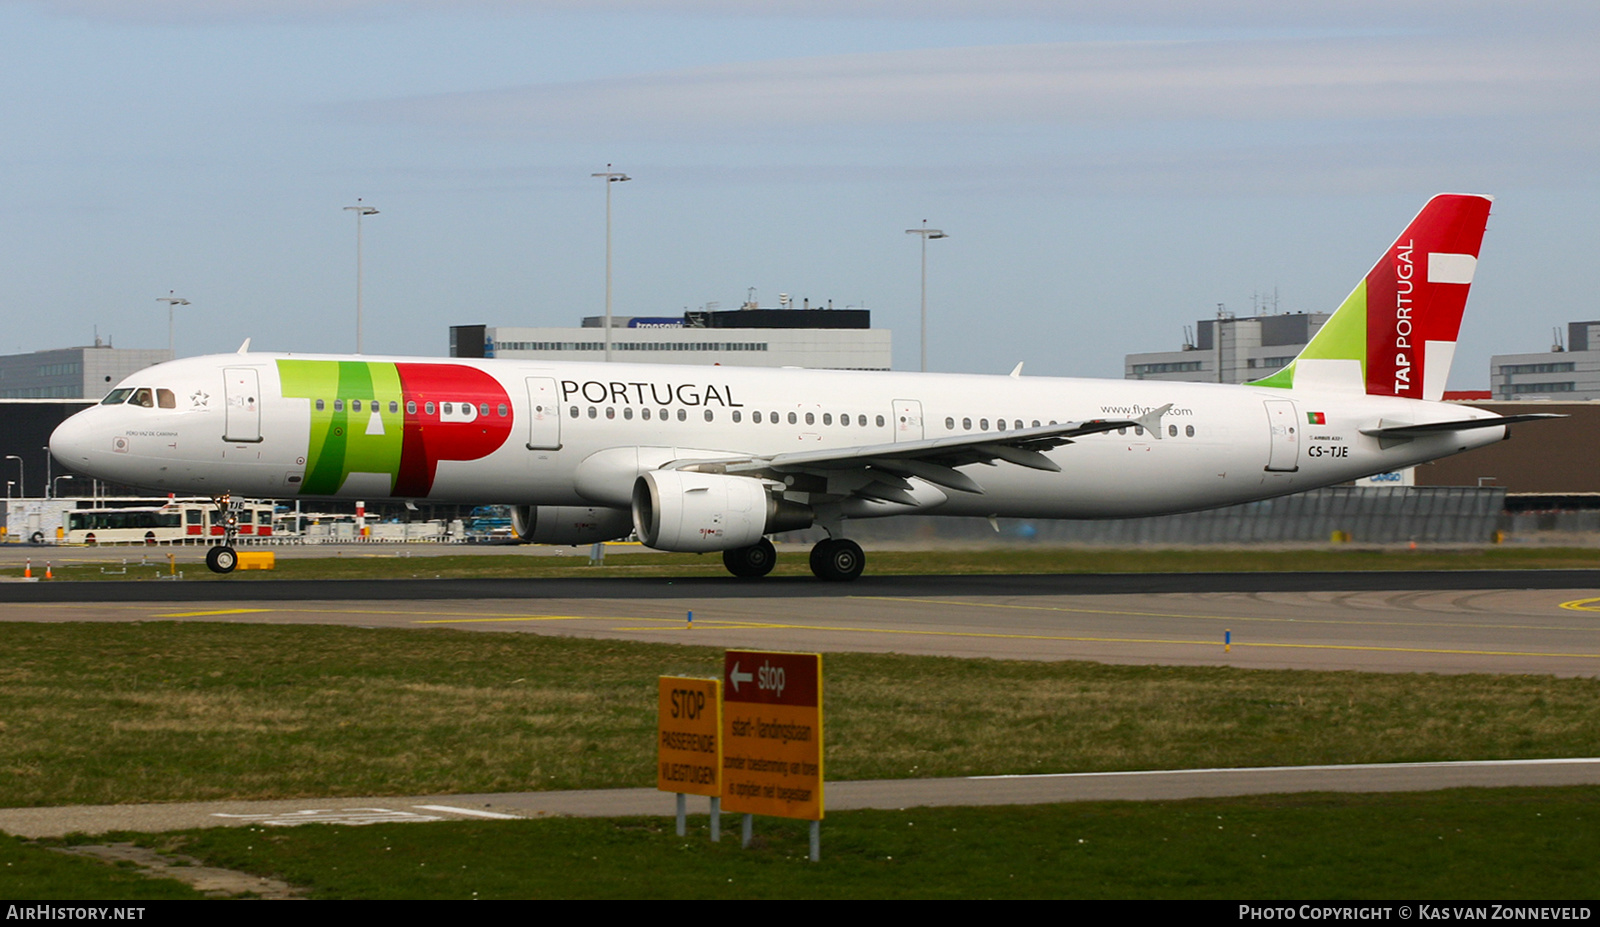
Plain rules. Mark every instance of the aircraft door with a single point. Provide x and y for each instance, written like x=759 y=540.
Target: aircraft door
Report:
x=544 y=414
x=242 y=400
x=907 y=420
x=1285 y=429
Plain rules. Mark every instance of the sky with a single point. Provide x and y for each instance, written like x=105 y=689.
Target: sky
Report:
x=1107 y=173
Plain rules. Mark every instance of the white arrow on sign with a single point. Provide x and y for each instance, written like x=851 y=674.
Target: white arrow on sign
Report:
x=736 y=677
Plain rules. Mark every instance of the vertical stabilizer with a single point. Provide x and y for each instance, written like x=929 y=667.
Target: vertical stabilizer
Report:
x=1395 y=334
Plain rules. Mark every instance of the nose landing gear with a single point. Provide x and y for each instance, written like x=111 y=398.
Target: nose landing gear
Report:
x=223 y=558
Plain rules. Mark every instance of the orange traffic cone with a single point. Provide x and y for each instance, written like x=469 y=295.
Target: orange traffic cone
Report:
x=47 y=573
x=27 y=571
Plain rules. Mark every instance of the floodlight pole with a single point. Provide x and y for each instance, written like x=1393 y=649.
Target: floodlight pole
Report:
x=610 y=178
x=172 y=302
x=926 y=234
x=361 y=212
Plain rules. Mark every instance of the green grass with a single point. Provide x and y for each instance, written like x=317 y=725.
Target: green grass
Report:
x=34 y=872
x=392 y=563
x=1497 y=844
x=140 y=712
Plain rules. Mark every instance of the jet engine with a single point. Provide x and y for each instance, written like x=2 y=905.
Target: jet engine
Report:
x=569 y=524
x=682 y=510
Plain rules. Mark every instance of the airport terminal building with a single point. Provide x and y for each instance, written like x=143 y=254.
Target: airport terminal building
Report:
x=834 y=339
x=85 y=372
x=1230 y=349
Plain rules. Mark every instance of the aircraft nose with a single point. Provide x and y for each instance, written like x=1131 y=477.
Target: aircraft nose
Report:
x=70 y=442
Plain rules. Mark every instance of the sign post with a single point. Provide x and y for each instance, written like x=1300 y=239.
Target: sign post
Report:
x=772 y=737
x=689 y=744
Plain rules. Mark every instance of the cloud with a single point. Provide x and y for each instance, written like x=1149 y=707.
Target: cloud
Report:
x=1486 y=15
x=1393 y=78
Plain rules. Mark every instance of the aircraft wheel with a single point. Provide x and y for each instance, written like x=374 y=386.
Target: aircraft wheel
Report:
x=222 y=559
x=756 y=560
x=36 y=538
x=837 y=560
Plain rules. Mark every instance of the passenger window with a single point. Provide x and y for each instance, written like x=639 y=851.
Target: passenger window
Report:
x=1172 y=431
x=862 y=420
x=827 y=418
x=949 y=424
x=393 y=407
x=983 y=424
x=683 y=415
x=411 y=407
x=593 y=412
x=709 y=416
x=756 y=416
x=501 y=410
x=627 y=413
x=1188 y=431
x=165 y=399
x=793 y=419
x=1000 y=424
x=844 y=420
x=611 y=412
x=737 y=416
x=645 y=414
x=338 y=405
x=428 y=408
x=966 y=424
x=664 y=415
x=320 y=405
x=483 y=409
x=1018 y=423
x=449 y=408
x=574 y=411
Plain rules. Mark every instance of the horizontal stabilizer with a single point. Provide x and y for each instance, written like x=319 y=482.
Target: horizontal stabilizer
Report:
x=1433 y=428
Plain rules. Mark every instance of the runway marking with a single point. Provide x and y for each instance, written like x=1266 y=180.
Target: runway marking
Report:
x=470 y=812
x=1443 y=764
x=225 y=611
x=1243 y=618
x=1582 y=605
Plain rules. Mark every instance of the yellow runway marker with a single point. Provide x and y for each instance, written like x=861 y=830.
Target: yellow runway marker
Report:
x=226 y=611
x=1208 y=644
x=1259 y=620
x=1582 y=605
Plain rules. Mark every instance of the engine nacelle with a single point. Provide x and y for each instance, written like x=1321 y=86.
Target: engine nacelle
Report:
x=569 y=524
x=686 y=511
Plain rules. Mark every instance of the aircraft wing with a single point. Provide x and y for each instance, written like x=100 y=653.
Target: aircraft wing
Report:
x=889 y=466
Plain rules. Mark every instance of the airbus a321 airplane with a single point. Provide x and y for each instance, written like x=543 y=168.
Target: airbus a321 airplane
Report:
x=717 y=458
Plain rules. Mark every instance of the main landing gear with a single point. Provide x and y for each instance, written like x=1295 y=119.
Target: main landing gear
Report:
x=834 y=559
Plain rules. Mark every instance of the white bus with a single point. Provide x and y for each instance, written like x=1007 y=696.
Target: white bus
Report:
x=176 y=521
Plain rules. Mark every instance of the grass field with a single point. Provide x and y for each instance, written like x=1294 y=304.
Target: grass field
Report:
x=389 y=562
x=138 y=712
x=1500 y=844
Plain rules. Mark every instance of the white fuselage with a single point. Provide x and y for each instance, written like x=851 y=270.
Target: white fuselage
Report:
x=542 y=433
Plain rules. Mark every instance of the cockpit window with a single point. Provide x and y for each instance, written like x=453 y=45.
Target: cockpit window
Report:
x=116 y=397
x=165 y=399
x=143 y=397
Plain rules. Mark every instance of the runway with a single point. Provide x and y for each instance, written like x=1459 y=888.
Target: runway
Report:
x=1543 y=622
